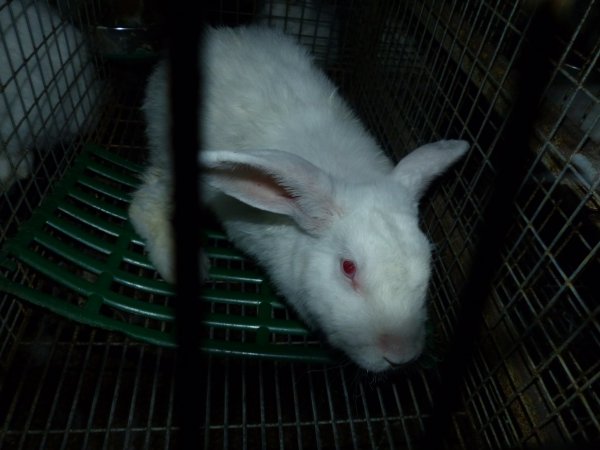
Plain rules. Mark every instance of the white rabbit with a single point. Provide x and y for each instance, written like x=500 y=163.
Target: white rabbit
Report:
x=299 y=184
x=48 y=84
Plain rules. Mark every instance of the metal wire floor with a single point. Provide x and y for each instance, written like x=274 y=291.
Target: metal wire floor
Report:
x=89 y=388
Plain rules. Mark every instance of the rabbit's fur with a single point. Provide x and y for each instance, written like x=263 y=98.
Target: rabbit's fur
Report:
x=299 y=184
x=48 y=84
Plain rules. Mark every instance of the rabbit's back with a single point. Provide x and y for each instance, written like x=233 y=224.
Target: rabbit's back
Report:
x=262 y=90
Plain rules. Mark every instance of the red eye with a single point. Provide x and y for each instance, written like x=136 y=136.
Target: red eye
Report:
x=349 y=268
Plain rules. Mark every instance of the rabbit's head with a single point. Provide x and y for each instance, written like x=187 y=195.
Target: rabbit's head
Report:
x=351 y=260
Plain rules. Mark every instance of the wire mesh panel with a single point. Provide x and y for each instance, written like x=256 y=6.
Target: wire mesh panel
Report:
x=87 y=388
x=534 y=376
x=415 y=71
x=48 y=99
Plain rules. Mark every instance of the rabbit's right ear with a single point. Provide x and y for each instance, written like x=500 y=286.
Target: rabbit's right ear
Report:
x=274 y=181
x=416 y=170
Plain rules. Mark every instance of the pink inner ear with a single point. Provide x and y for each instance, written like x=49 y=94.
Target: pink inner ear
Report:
x=263 y=181
x=255 y=182
x=299 y=191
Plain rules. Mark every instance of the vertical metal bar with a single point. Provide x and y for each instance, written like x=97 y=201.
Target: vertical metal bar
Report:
x=12 y=319
x=261 y=396
x=170 y=412
x=185 y=91
x=278 y=406
x=402 y=416
x=296 y=398
x=96 y=397
x=349 y=409
x=78 y=387
x=416 y=402
x=58 y=393
x=208 y=400
x=115 y=397
x=315 y=412
x=226 y=383
x=134 y=394
x=244 y=406
x=386 y=423
x=336 y=437
x=155 y=377
x=363 y=397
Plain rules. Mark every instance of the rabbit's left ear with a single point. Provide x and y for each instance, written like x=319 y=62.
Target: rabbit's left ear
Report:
x=274 y=181
x=421 y=166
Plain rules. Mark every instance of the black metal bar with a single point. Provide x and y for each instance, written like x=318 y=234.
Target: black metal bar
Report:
x=184 y=21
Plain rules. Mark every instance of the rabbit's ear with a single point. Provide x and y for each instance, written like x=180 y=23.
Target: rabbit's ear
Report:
x=274 y=181
x=421 y=166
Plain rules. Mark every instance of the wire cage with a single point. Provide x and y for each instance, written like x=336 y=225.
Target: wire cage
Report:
x=79 y=372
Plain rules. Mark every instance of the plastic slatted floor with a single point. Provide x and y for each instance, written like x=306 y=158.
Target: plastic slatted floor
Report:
x=79 y=257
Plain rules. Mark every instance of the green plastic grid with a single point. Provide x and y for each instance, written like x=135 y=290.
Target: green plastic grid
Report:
x=81 y=258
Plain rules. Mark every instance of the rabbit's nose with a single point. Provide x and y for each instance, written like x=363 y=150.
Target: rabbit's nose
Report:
x=399 y=349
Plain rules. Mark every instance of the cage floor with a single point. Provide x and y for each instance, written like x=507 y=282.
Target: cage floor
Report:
x=74 y=386
x=91 y=375
x=79 y=257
